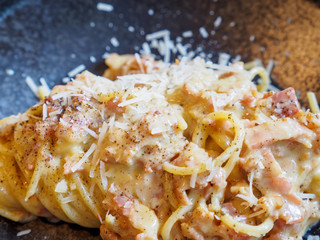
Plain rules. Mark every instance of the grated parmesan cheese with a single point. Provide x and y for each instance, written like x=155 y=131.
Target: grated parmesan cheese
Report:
x=223 y=59
x=251 y=199
x=24 y=232
x=187 y=34
x=150 y=12
x=9 y=72
x=66 y=79
x=43 y=90
x=44 y=112
x=306 y=195
x=131 y=29
x=203 y=32
x=166 y=58
x=114 y=41
x=232 y=24
x=105 y=7
x=122 y=125
x=179 y=39
x=182 y=49
x=157 y=35
x=31 y=84
x=90 y=132
x=44 y=83
x=84 y=158
x=236 y=59
x=146 y=48
x=103 y=177
x=103 y=132
x=193 y=180
x=92 y=59
x=217 y=22
x=105 y=55
x=138 y=59
x=76 y=70
x=61 y=187
x=54 y=113
x=313 y=237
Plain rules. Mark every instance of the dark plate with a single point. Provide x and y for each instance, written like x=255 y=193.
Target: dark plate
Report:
x=48 y=38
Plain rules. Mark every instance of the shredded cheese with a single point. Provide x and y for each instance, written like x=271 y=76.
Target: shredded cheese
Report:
x=203 y=32
x=23 y=233
x=44 y=112
x=84 y=158
x=105 y=7
x=217 y=22
x=76 y=70
x=31 y=84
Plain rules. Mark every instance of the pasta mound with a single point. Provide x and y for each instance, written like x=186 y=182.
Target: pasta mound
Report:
x=190 y=150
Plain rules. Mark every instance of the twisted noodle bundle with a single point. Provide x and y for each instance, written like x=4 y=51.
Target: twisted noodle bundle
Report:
x=188 y=150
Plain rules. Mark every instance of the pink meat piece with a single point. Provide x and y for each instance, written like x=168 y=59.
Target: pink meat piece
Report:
x=285 y=103
x=280 y=129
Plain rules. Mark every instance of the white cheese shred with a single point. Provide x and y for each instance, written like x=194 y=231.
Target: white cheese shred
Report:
x=44 y=112
x=61 y=187
x=103 y=177
x=9 y=72
x=84 y=158
x=187 y=34
x=23 y=233
x=105 y=7
x=91 y=132
x=306 y=195
x=203 y=32
x=31 y=84
x=103 y=132
x=114 y=41
x=44 y=84
x=138 y=59
x=223 y=59
x=157 y=35
x=217 y=22
x=182 y=49
x=193 y=180
x=66 y=79
x=146 y=48
x=76 y=70
x=92 y=59
x=313 y=237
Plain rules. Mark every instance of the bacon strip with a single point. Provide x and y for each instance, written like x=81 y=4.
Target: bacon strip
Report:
x=280 y=129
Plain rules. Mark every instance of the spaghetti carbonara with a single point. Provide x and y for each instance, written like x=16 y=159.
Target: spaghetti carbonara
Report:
x=190 y=150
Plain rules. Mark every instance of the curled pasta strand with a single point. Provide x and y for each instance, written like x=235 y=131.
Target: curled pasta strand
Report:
x=231 y=163
x=76 y=215
x=255 y=231
x=177 y=215
x=200 y=136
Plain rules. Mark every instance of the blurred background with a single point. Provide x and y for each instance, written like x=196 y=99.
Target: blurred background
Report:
x=49 y=38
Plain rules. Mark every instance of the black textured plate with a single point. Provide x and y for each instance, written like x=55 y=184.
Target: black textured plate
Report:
x=48 y=38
